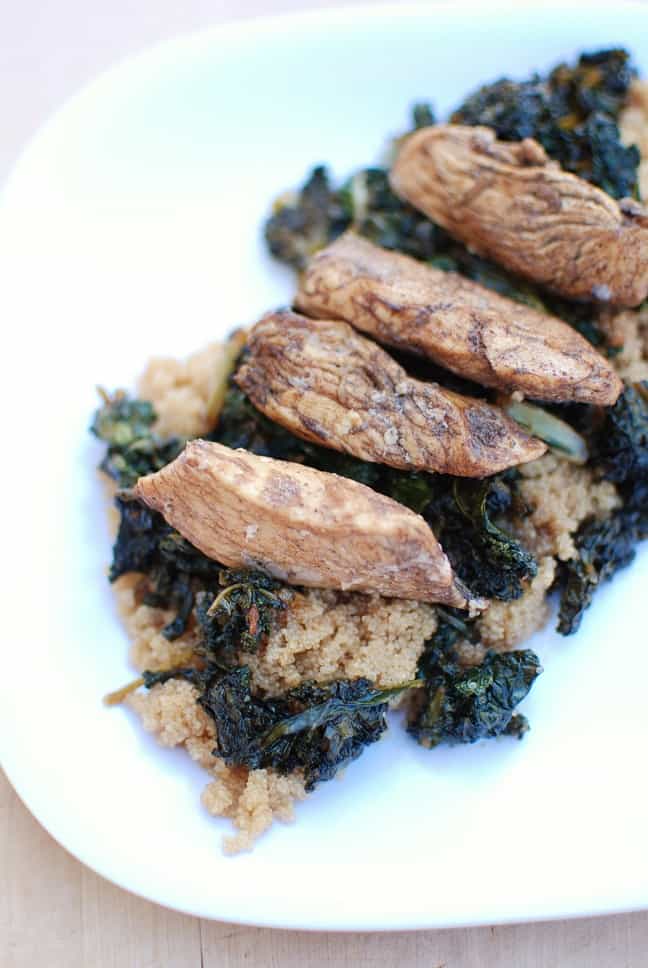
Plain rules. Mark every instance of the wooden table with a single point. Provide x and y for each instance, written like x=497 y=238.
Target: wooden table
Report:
x=54 y=912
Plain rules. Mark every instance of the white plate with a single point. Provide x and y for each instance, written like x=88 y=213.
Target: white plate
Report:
x=130 y=227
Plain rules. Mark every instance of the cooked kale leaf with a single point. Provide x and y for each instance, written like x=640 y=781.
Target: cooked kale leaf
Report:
x=489 y=561
x=300 y=226
x=179 y=576
x=375 y=212
x=572 y=112
x=603 y=547
x=314 y=728
x=622 y=440
x=241 y=615
x=133 y=449
x=463 y=705
x=619 y=444
x=423 y=114
x=174 y=570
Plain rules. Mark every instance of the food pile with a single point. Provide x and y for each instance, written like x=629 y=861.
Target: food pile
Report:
x=366 y=500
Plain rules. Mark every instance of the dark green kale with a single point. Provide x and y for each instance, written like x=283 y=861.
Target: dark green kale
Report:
x=463 y=705
x=196 y=675
x=300 y=226
x=489 y=561
x=603 y=547
x=380 y=216
x=241 y=615
x=315 y=728
x=133 y=447
x=174 y=570
x=620 y=453
x=423 y=115
x=622 y=440
x=573 y=112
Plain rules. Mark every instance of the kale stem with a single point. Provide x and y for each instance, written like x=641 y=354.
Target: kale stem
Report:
x=319 y=714
x=118 y=696
x=271 y=598
x=220 y=598
x=555 y=432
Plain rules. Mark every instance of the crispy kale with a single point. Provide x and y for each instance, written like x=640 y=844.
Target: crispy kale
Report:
x=375 y=212
x=174 y=570
x=620 y=449
x=319 y=213
x=603 y=547
x=241 y=615
x=622 y=440
x=463 y=705
x=422 y=114
x=299 y=226
x=489 y=561
x=134 y=448
x=572 y=112
x=178 y=576
x=314 y=728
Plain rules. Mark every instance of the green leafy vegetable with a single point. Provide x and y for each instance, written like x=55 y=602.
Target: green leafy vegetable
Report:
x=572 y=112
x=463 y=705
x=620 y=446
x=622 y=441
x=489 y=561
x=133 y=447
x=423 y=115
x=179 y=576
x=315 y=728
x=299 y=226
x=241 y=615
x=174 y=569
x=379 y=215
x=603 y=547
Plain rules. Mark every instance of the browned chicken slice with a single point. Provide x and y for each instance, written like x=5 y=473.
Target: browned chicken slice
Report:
x=456 y=322
x=303 y=526
x=326 y=383
x=507 y=201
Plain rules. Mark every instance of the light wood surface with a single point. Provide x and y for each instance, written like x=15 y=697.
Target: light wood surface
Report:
x=55 y=913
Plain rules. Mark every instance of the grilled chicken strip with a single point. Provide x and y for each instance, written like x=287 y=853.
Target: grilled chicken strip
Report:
x=456 y=322
x=326 y=383
x=508 y=201
x=301 y=525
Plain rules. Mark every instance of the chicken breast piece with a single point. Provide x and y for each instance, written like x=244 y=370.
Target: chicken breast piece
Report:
x=301 y=525
x=458 y=323
x=508 y=201
x=327 y=384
